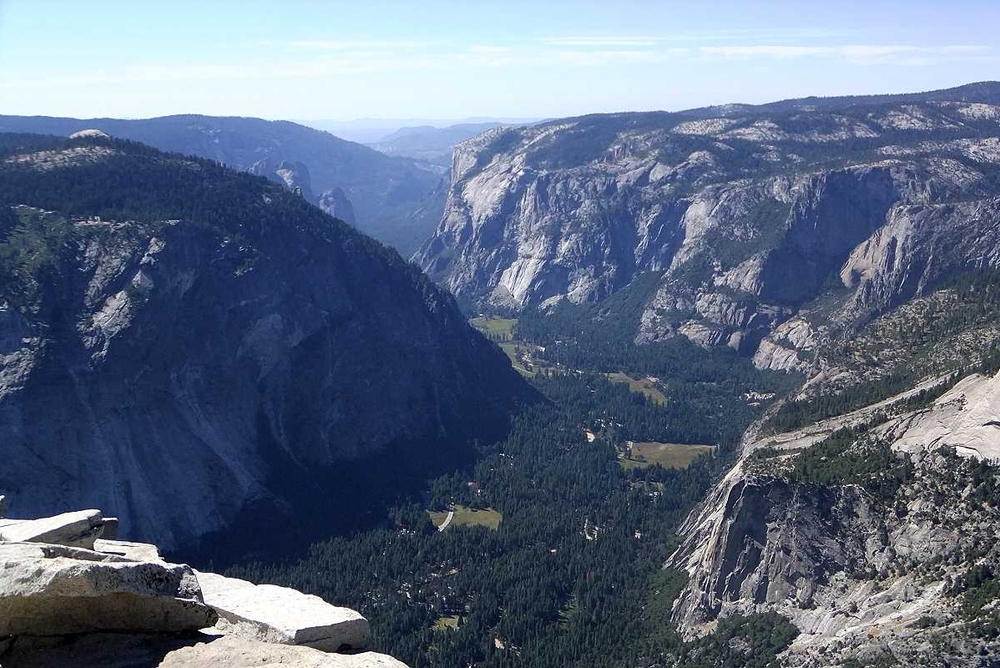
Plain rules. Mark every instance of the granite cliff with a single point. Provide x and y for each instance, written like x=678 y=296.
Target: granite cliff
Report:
x=197 y=350
x=745 y=215
x=873 y=532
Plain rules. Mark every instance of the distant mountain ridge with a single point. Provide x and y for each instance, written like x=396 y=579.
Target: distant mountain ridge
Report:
x=384 y=191
x=372 y=130
x=749 y=218
x=429 y=143
x=985 y=92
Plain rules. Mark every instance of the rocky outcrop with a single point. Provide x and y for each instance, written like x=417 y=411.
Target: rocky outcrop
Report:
x=964 y=419
x=77 y=529
x=748 y=214
x=335 y=203
x=229 y=340
x=120 y=604
x=56 y=590
x=233 y=653
x=90 y=132
x=853 y=569
x=295 y=175
x=282 y=615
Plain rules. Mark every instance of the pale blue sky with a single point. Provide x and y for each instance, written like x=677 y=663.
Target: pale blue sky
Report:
x=427 y=58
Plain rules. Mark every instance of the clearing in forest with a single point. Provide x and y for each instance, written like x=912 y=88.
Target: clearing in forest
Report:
x=667 y=455
x=644 y=386
x=500 y=327
x=511 y=349
x=462 y=516
x=446 y=623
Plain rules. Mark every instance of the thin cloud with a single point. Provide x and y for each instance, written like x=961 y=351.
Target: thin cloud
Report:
x=771 y=35
x=601 y=41
x=868 y=53
x=619 y=56
x=322 y=61
x=351 y=45
x=489 y=48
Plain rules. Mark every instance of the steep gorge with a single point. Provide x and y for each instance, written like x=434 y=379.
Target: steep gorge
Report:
x=198 y=351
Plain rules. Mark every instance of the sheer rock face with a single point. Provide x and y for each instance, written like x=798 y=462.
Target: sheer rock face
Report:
x=183 y=377
x=920 y=246
x=335 y=203
x=853 y=571
x=748 y=214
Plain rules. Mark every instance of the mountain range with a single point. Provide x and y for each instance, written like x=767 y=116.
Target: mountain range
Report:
x=851 y=243
x=198 y=350
x=426 y=142
x=749 y=227
x=374 y=130
x=390 y=198
x=754 y=418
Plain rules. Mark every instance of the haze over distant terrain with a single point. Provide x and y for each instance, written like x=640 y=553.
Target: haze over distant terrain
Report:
x=374 y=130
x=445 y=60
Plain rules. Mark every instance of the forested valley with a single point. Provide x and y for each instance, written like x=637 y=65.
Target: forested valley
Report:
x=571 y=574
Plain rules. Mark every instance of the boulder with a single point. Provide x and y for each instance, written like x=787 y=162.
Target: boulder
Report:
x=3 y=505
x=53 y=590
x=282 y=615
x=77 y=529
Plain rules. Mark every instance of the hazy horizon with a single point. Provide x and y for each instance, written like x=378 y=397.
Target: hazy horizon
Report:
x=446 y=60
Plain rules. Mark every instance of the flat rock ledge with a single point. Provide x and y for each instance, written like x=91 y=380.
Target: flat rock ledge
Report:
x=77 y=529
x=56 y=590
x=69 y=597
x=282 y=615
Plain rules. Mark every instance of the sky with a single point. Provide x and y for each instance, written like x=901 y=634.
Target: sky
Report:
x=475 y=58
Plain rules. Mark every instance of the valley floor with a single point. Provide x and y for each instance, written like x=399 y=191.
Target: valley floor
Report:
x=549 y=551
